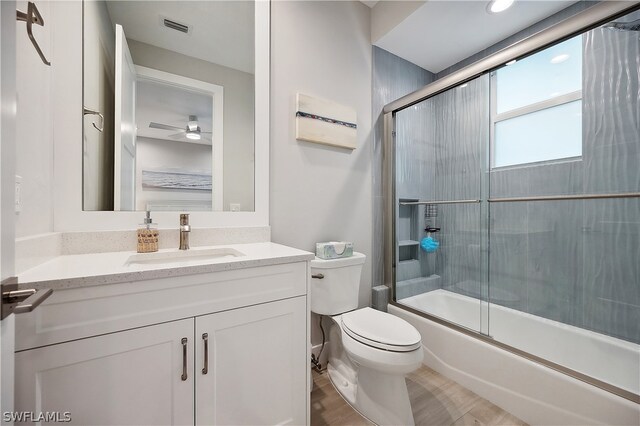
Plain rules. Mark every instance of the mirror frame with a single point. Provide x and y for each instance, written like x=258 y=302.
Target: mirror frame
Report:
x=68 y=140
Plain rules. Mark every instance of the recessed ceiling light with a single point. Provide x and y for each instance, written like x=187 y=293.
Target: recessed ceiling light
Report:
x=497 y=6
x=511 y=62
x=558 y=59
x=464 y=85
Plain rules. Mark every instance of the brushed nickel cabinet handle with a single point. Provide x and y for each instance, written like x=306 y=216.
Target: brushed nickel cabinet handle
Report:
x=205 y=337
x=184 y=359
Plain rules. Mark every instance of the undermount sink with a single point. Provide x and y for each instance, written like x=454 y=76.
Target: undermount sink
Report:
x=183 y=257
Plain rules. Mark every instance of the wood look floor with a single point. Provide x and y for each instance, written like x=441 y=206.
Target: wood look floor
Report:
x=435 y=401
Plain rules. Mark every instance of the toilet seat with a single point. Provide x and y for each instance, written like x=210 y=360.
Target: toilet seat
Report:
x=380 y=330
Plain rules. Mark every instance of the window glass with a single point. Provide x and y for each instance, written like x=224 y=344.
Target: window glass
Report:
x=547 y=134
x=552 y=72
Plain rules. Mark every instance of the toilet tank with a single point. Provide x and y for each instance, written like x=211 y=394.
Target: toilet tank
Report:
x=337 y=291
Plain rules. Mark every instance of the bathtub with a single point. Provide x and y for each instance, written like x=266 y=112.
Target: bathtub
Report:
x=529 y=390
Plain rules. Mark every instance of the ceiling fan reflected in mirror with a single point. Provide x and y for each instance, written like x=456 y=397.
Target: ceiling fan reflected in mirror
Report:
x=191 y=131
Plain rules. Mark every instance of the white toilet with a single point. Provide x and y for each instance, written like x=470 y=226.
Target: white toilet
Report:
x=370 y=351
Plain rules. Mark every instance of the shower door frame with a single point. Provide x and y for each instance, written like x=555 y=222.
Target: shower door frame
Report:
x=570 y=27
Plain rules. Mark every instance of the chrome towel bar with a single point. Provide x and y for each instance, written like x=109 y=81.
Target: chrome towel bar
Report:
x=565 y=197
x=417 y=203
x=524 y=199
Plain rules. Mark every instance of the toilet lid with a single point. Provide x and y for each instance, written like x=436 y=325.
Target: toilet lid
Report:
x=381 y=330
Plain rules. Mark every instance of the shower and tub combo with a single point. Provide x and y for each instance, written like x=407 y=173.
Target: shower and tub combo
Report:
x=512 y=220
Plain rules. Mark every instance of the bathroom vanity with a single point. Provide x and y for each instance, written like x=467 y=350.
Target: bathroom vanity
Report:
x=207 y=338
x=215 y=336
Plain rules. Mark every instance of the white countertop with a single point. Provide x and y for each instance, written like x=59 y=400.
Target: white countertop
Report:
x=84 y=270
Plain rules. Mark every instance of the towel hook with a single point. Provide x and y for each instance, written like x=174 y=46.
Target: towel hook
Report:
x=33 y=17
x=99 y=114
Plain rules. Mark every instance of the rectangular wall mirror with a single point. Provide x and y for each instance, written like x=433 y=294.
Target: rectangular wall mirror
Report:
x=169 y=105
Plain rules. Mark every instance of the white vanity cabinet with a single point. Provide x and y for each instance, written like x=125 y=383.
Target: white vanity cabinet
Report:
x=130 y=377
x=134 y=353
x=257 y=366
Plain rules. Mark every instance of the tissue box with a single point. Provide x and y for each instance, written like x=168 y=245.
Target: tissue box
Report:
x=334 y=249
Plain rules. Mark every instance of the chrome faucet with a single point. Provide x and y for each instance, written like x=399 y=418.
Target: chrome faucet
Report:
x=184 y=231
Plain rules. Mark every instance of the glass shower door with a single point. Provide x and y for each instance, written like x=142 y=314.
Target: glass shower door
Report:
x=564 y=208
x=441 y=169
x=518 y=206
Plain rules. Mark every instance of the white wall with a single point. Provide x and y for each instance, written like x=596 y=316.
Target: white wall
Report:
x=34 y=125
x=159 y=154
x=321 y=193
x=386 y=15
x=238 y=114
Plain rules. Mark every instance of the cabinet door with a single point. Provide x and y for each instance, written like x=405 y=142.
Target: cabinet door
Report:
x=257 y=365
x=130 y=377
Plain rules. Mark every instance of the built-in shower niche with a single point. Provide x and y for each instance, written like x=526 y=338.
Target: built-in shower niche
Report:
x=413 y=273
x=408 y=230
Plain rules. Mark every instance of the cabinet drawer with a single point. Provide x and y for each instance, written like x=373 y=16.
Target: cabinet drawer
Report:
x=85 y=312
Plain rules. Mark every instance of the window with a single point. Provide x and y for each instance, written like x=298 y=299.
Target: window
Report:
x=537 y=107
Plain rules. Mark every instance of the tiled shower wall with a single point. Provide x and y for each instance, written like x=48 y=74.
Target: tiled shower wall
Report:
x=577 y=261
x=611 y=160
x=393 y=77
x=446 y=162
x=571 y=261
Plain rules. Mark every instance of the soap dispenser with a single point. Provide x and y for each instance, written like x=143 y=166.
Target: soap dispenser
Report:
x=148 y=235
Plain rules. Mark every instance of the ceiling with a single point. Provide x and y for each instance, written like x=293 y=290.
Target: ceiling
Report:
x=221 y=32
x=442 y=33
x=171 y=105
